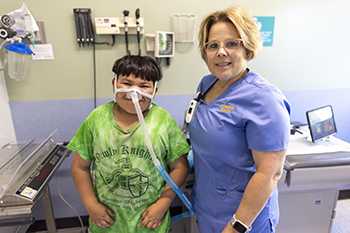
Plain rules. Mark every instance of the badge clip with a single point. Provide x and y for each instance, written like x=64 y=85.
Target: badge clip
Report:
x=191 y=111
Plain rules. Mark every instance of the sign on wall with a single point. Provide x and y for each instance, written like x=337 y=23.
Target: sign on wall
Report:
x=267 y=25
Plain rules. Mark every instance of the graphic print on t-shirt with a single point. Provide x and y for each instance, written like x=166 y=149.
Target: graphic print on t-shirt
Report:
x=127 y=181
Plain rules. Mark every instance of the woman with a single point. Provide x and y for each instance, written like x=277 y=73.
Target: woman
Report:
x=239 y=133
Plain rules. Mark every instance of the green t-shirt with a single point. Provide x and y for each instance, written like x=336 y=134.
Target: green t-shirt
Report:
x=126 y=180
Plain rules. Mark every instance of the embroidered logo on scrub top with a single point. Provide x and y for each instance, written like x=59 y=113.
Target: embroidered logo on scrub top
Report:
x=226 y=108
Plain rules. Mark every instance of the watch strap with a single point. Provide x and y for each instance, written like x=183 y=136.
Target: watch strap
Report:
x=239 y=226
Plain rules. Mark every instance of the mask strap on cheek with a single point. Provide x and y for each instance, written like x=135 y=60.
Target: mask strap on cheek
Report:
x=115 y=89
x=155 y=87
x=154 y=92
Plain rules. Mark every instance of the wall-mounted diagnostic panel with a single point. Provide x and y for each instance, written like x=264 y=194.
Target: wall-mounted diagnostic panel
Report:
x=116 y=25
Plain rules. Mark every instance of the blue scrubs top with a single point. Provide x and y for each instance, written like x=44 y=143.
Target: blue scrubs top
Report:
x=251 y=114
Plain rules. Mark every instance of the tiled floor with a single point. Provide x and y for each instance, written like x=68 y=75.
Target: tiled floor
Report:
x=341 y=223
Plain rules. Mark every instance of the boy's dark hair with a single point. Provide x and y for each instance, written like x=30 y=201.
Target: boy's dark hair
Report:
x=144 y=67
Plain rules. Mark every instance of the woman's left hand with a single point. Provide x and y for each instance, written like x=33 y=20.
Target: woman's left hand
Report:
x=229 y=228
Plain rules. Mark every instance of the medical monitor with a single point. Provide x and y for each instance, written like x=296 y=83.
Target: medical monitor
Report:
x=321 y=123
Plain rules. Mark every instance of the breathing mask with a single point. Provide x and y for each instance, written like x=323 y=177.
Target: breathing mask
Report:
x=133 y=89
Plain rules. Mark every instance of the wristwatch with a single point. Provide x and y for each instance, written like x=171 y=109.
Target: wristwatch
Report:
x=239 y=226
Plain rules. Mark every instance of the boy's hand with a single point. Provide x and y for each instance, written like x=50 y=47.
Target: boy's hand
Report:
x=100 y=215
x=153 y=215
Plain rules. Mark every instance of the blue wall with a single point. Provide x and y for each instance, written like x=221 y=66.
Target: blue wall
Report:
x=38 y=119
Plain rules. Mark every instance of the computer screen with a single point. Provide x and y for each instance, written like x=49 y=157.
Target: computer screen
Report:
x=321 y=123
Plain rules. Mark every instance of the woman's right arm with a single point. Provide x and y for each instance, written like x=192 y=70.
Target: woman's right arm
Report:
x=99 y=214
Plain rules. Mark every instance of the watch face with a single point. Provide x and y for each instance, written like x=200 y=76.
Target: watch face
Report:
x=239 y=227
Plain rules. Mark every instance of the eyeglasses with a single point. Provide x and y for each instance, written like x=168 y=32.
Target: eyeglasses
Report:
x=230 y=45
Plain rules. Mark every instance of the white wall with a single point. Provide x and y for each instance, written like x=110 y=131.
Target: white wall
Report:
x=311 y=45
x=7 y=132
x=310 y=49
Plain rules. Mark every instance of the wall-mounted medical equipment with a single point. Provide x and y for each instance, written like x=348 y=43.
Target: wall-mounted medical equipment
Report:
x=83 y=26
x=26 y=167
x=19 y=23
x=115 y=25
x=17 y=55
x=126 y=14
x=162 y=43
x=137 y=16
x=17 y=26
x=5 y=31
x=184 y=26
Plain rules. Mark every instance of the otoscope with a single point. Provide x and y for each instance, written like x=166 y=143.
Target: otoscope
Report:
x=126 y=14
x=137 y=15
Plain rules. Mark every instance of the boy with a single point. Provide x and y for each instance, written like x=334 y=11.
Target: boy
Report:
x=128 y=193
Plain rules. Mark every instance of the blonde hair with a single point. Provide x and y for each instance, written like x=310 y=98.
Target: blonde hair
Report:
x=245 y=24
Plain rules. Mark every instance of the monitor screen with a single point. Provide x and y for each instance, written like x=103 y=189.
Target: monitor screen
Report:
x=321 y=123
